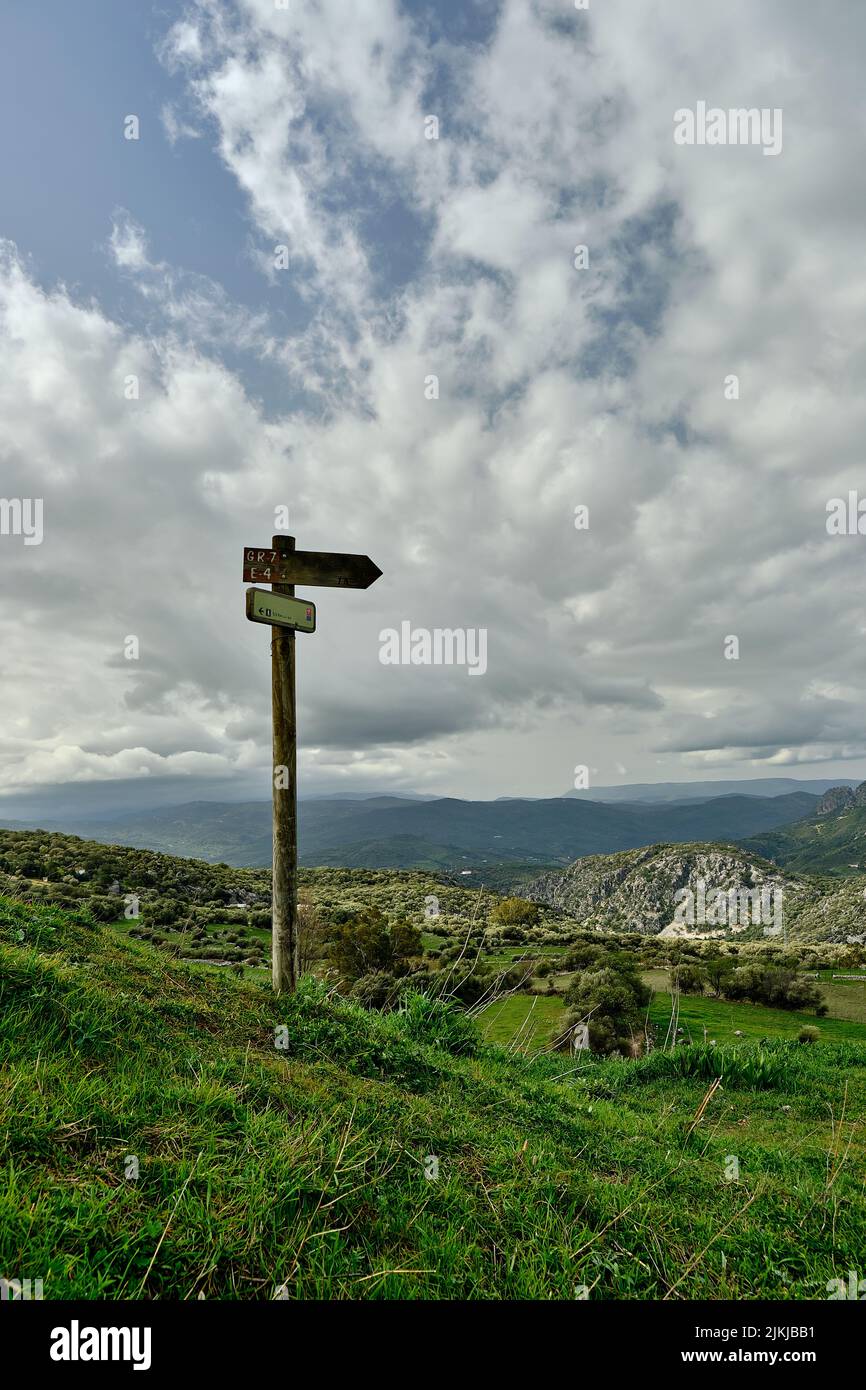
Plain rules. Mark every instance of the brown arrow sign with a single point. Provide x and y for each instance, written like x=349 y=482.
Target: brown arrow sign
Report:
x=266 y=566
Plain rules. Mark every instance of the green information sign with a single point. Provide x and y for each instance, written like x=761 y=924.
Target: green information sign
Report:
x=281 y=610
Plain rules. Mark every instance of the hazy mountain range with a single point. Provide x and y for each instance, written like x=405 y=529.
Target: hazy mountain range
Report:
x=615 y=863
x=702 y=791
x=397 y=832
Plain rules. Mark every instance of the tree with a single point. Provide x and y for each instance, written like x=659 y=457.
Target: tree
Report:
x=515 y=912
x=311 y=936
x=690 y=977
x=612 y=999
x=368 y=944
x=718 y=971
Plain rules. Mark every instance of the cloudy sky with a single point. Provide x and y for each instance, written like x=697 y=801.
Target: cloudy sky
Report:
x=242 y=309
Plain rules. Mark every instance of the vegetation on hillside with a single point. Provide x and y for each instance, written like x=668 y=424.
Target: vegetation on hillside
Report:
x=829 y=843
x=169 y=1131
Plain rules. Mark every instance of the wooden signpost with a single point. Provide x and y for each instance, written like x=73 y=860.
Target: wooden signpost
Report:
x=281 y=566
x=309 y=567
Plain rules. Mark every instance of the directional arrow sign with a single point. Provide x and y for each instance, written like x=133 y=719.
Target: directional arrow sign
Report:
x=325 y=567
x=281 y=610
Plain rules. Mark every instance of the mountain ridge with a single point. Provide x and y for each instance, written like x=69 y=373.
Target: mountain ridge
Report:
x=387 y=832
x=832 y=840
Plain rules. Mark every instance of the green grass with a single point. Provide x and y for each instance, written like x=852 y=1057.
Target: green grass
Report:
x=305 y=1167
x=722 y=1018
x=844 y=998
x=534 y=1017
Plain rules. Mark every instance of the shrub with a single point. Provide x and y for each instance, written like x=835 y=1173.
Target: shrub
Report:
x=377 y=990
x=582 y=957
x=809 y=1034
x=105 y=909
x=163 y=911
x=367 y=943
x=778 y=987
x=438 y=1022
x=515 y=912
x=613 y=998
x=691 y=979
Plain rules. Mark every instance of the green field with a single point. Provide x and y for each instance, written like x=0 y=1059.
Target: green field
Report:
x=533 y=1017
x=722 y=1020
x=845 y=998
x=536 y=1017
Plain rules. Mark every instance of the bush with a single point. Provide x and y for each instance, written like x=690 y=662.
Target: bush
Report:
x=368 y=944
x=437 y=1022
x=105 y=909
x=377 y=990
x=691 y=979
x=163 y=911
x=515 y=912
x=582 y=957
x=778 y=987
x=809 y=1034
x=613 y=999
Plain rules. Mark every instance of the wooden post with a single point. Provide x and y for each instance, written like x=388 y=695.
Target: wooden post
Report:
x=284 y=938
x=289 y=566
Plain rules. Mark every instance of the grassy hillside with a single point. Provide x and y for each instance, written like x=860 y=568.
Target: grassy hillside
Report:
x=303 y=1168
x=213 y=911
x=828 y=844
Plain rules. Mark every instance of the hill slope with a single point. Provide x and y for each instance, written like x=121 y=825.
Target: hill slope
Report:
x=637 y=890
x=831 y=841
x=838 y=914
x=380 y=1156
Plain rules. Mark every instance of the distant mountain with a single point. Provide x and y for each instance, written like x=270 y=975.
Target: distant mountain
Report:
x=704 y=791
x=551 y=831
x=637 y=890
x=831 y=841
x=836 y=799
x=367 y=796
x=449 y=834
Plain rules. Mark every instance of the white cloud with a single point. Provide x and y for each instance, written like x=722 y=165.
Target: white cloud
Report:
x=557 y=387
